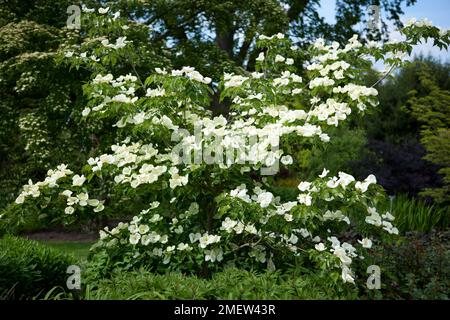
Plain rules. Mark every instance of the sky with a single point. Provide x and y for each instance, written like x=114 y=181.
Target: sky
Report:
x=438 y=11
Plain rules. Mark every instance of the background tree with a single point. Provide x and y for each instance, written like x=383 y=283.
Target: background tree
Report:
x=430 y=105
x=213 y=35
x=396 y=150
x=37 y=97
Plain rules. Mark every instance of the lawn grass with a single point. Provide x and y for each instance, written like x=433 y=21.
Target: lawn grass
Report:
x=79 y=250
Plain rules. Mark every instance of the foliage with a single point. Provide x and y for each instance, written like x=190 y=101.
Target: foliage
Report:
x=127 y=103
x=416 y=267
x=28 y=268
x=230 y=284
x=345 y=149
x=399 y=168
x=393 y=122
x=417 y=215
x=38 y=99
x=432 y=109
x=217 y=36
x=46 y=12
x=411 y=214
x=17 y=222
x=396 y=155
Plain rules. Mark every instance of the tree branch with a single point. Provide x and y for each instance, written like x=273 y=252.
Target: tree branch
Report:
x=250 y=34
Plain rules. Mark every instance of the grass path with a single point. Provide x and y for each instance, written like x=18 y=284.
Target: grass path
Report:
x=79 y=249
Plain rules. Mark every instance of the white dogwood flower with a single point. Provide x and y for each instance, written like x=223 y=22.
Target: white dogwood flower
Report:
x=78 y=180
x=264 y=199
x=69 y=210
x=320 y=247
x=260 y=57
x=134 y=238
x=366 y=243
x=279 y=58
x=286 y=160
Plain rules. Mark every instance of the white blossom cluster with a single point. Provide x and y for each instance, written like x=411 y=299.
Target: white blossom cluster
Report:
x=188 y=72
x=275 y=208
x=384 y=221
x=50 y=181
x=120 y=43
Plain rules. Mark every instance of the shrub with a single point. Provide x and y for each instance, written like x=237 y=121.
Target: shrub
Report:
x=28 y=268
x=433 y=112
x=340 y=154
x=399 y=167
x=14 y=222
x=416 y=267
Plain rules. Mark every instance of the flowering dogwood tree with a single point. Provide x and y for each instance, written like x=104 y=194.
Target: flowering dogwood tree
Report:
x=205 y=182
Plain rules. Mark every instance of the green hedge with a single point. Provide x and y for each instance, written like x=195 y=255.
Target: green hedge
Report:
x=28 y=268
